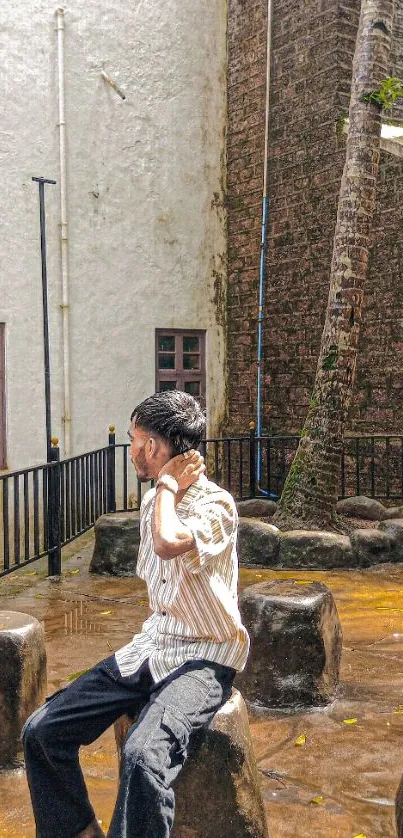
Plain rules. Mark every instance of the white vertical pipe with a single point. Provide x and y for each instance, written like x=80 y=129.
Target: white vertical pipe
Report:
x=63 y=235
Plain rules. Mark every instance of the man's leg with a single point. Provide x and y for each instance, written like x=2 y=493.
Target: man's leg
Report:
x=155 y=747
x=53 y=734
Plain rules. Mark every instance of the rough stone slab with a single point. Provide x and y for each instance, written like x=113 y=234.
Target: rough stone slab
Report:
x=315 y=549
x=117 y=539
x=393 y=512
x=217 y=792
x=370 y=547
x=296 y=642
x=256 y=508
x=394 y=530
x=258 y=543
x=22 y=678
x=361 y=507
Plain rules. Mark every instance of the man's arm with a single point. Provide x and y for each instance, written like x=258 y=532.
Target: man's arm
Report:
x=171 y=537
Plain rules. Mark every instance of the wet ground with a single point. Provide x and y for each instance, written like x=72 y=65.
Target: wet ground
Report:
x=340 y=783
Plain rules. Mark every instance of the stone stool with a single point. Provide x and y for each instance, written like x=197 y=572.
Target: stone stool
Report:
x=117 y=539
x=217 y=792
x=22 y=678
x=296 y=642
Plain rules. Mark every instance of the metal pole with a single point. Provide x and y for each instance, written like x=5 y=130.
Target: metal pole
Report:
x=111 y=470
x=54 y=511
x=41 y=182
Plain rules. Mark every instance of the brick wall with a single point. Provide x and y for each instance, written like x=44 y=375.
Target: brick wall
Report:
x=312 y=49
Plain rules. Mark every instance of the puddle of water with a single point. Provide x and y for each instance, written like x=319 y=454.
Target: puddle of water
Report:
x=78 y=617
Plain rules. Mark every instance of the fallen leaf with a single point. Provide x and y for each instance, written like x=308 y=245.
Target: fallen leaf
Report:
x=300 y=740
x=76 y=674
x=104 y=613
x=388 y=608
x=303 y=581
x=72 y=572
x=350 y=721
x=361 y=835
x=398 y=711
x=109 y=645
x=318 y=800
x=30 y=572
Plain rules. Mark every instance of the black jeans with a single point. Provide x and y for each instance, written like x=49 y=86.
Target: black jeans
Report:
x=153 y=753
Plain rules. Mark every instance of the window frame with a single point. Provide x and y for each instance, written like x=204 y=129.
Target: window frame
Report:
x=179 y=373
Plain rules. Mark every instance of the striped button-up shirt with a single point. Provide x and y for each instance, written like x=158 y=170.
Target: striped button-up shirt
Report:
x=193 y=597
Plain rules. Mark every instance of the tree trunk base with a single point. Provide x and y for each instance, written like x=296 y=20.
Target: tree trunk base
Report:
x=285 y=521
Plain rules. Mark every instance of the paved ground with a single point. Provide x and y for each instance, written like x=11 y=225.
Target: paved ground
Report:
x=353 y=769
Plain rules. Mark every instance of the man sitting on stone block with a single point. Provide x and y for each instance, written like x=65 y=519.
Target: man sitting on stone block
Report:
x=179 y=670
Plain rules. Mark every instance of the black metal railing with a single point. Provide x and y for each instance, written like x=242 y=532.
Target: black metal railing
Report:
x=250 y=466
x=45 y=507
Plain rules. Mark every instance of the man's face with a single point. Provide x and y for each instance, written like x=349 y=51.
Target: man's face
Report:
x=140 y=451
x=148 y=453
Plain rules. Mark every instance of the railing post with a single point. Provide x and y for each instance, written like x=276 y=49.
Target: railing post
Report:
x=111 y=500
x=54 y=542
x=252 y=460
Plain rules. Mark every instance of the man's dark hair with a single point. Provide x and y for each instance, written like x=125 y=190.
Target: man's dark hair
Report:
x=175 y=416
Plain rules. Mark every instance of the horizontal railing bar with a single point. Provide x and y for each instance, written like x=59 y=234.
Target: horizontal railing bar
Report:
x=23 y=564
x=31 y=470
x=85 y=454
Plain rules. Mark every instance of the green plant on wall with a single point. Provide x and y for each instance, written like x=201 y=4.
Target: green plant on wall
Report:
x=385 y=97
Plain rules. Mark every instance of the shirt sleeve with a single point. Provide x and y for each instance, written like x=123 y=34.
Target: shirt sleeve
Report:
x=213 y=522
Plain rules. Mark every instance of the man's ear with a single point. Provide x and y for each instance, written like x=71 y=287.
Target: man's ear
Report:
x=152 y=447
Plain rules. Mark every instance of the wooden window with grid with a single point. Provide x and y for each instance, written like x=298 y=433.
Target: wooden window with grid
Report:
x=2 y=397
x=181 y=362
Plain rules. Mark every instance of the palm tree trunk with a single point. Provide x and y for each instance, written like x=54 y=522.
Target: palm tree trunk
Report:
x=311 y=489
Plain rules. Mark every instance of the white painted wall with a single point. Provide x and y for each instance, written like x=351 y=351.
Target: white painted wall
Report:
x=145 y=187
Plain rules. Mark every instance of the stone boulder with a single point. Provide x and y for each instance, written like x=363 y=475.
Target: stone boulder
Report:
x=393 y=528
x=217 y=792
x=296 y=642
x=117 y=539
x=315 y=549
x=361 y=507
x=258 y=543
x=370 y=547
x=22 y=678
x=393 y=512
x=256 y=508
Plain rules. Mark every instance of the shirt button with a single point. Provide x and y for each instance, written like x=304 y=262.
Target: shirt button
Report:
x=163 y=581
x=164 y=613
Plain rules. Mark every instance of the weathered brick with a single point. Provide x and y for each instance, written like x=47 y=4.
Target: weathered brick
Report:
x=313 y=45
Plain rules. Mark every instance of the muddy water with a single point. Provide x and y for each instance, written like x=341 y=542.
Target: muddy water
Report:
x=339 y=784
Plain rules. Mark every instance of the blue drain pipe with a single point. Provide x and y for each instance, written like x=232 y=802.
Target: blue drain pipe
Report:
x=262 y=270
x=262 y=276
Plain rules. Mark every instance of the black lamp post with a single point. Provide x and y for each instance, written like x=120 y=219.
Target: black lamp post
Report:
x=41 y=183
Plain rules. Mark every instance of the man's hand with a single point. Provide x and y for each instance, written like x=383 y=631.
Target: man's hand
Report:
x=185 y=468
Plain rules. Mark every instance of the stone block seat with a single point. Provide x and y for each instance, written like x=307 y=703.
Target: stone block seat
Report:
x=117 y=538
x=217 y=792
x=296 y=642
x=22 y=679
